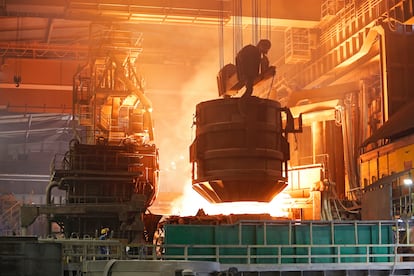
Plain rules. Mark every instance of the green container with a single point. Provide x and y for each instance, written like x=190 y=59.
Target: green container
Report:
x=283 y=242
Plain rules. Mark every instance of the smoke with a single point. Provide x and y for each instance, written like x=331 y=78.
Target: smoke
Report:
x=188 y=203
x=174 y=133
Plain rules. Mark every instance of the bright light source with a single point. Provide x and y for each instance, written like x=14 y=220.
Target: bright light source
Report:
x=408 y=181
x=130 y=100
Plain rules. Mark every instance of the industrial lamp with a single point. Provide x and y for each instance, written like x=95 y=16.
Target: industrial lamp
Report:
x=409 y=180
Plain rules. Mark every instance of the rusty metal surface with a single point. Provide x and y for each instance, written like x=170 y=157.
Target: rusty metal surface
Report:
x=380 y=192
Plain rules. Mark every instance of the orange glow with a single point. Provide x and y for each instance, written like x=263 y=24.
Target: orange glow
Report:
x=278 y=207
x=130 y=100
x=190 y=202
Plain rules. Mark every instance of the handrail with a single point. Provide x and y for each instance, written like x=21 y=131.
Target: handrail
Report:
x=281 y=254
x=75 y=251
x=88 y=249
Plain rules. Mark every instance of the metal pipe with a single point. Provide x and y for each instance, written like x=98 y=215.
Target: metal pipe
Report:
x=49 y=188
x=108 y=267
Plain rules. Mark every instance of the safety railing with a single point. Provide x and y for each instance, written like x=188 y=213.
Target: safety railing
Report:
x=76 y=251
x=285 y=254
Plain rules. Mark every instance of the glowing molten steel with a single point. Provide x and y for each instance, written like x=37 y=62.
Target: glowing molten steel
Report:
x=190 y=202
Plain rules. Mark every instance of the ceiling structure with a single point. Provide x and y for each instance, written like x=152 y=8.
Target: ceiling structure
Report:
x=175 y=32
x=42 y=43
x=180 y=44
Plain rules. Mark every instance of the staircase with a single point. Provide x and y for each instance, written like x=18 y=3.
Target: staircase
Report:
x=9 y=215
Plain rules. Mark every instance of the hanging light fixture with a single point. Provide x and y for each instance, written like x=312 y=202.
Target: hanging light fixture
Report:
x=408 y=180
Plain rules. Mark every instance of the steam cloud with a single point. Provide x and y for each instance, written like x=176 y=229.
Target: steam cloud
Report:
x=173 y=126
